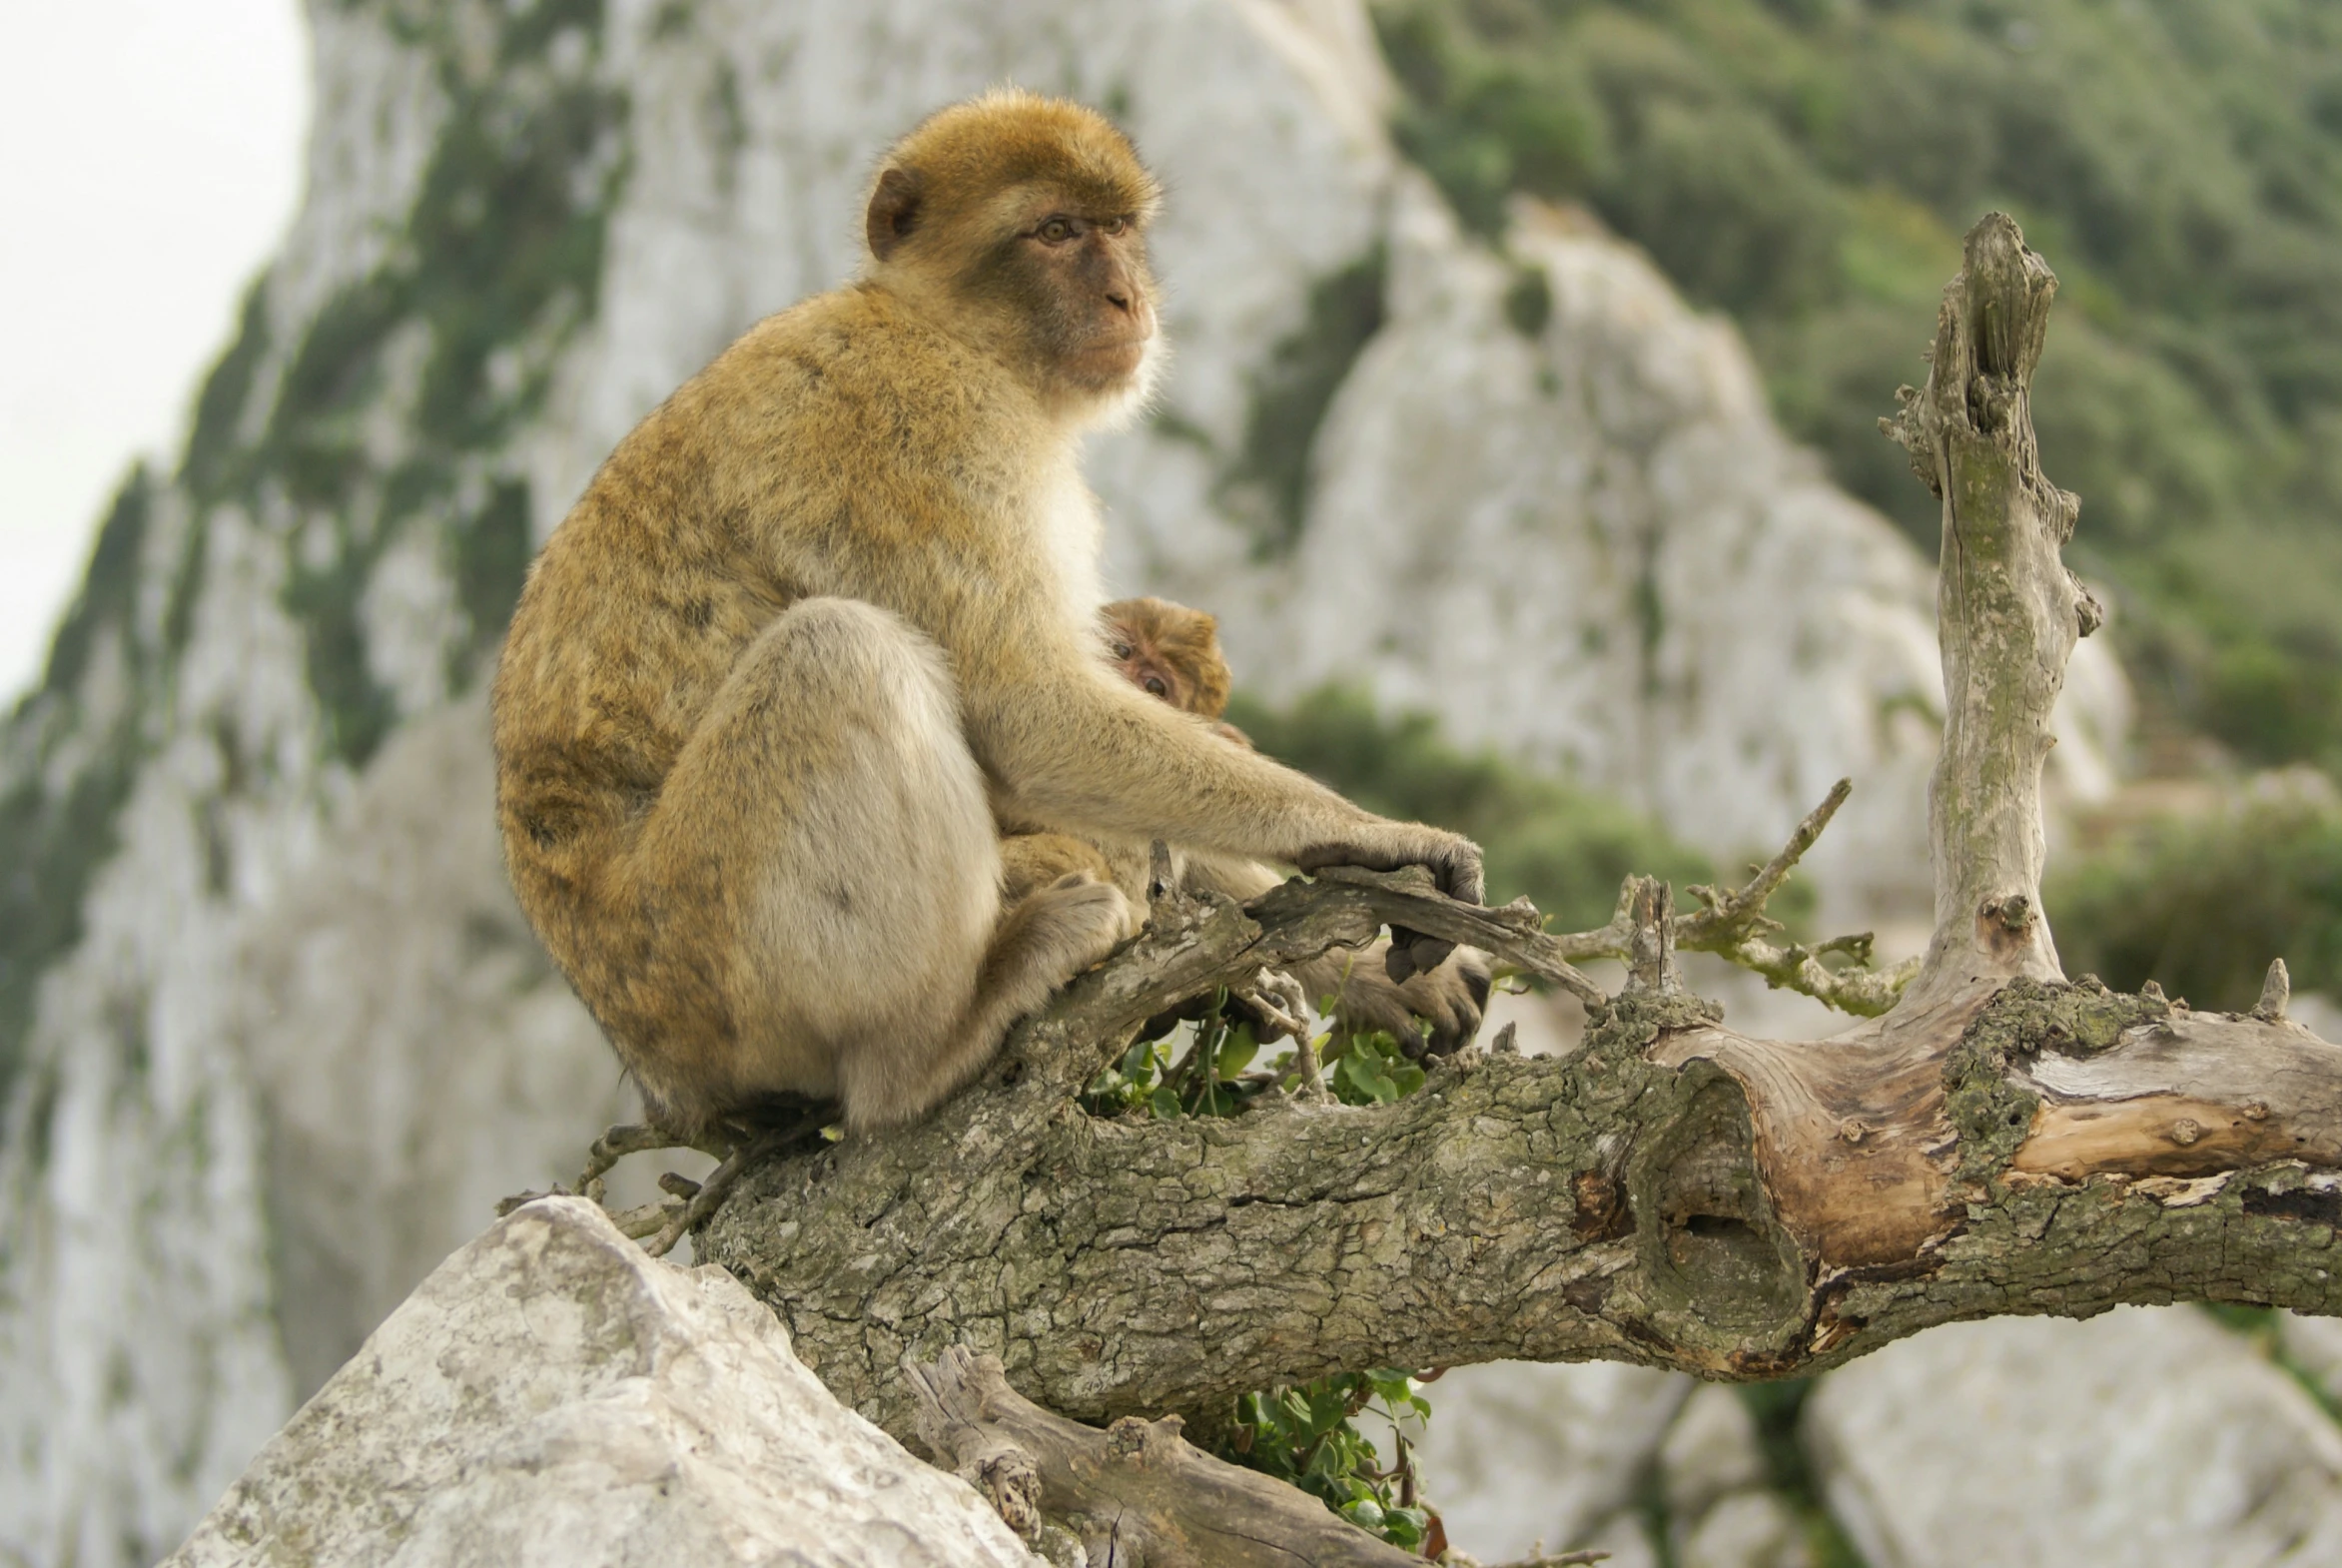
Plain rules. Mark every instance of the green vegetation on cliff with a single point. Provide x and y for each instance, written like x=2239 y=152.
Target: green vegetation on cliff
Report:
x=2201 y=907
x=52 y=840
x=1809 y=166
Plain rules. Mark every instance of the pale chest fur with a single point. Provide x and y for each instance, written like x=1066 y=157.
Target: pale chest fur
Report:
x=1069 y=533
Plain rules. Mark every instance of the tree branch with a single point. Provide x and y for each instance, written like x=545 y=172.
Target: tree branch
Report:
x=1734 y=925
x=1673 y=1194
x=1134 y=1492
x=2007 y=610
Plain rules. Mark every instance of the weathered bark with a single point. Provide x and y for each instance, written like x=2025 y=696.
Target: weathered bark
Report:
x=2007 y=611
x=1674 y=1193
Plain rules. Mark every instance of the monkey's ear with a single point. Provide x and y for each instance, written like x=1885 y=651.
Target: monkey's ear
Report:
x=894 y=211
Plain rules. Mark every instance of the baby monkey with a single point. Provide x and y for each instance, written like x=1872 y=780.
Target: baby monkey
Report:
x=1170 y=651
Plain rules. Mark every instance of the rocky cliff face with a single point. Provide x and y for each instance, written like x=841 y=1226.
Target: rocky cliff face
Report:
x=270 y=1033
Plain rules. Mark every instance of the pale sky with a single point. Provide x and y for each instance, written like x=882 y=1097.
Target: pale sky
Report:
x=150 y=160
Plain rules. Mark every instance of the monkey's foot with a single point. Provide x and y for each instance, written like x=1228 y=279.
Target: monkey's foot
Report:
x=615 y=1144
x=702 y=1198
x=633 y=1138
x=724 y=1141
x=765 y=1128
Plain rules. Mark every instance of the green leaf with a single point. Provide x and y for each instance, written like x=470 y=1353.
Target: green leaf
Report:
x=1361 y=1074
x=1238 y=1053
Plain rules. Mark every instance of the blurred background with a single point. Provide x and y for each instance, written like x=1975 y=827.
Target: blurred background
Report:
x=152 y=155
x=1523 y=422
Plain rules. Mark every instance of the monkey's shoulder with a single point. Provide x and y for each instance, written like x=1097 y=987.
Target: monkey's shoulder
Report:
x=858 y=368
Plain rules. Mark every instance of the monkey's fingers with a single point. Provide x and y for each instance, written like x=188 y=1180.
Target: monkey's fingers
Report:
x=1452 y=859
x=1412 y=953
x=1188 y=1012
x=1461 y=875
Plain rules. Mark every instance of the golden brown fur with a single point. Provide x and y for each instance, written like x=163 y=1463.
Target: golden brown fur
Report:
x=829 y=607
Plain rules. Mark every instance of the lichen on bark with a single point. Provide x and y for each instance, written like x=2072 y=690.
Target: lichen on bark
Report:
x=1992 y=1111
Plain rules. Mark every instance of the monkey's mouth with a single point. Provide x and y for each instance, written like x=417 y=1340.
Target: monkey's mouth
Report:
x=1111 y=358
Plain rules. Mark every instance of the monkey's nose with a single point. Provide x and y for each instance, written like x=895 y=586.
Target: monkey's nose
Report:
x=1120 y=301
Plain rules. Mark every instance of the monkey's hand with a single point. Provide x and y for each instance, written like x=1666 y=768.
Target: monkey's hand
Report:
x=1451 y=997
x=1452 y=860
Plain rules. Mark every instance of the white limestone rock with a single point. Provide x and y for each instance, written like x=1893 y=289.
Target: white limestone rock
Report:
x=1720 y=1512
x=138 y=1363
x=2314 y=1345
x=2147 y=1435
x=550 y=1395
x=1265 y=118
x=1625 y=1540
x=1589 y=546
x=1517 y=1453
x=1711 y=1450
x=1746 y=1530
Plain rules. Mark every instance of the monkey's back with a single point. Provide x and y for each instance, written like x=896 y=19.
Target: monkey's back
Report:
x=836 y=449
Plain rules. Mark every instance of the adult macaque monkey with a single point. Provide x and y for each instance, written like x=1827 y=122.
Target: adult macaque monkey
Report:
x=829 y=604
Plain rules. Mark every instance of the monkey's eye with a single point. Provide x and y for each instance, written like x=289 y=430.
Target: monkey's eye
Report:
x=1155 y=687
x=1057 y=231
x=1115 y=224
x=1121 y=651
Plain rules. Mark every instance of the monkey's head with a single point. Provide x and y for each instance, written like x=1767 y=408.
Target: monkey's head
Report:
x=1021 y=222
x=1169 y=651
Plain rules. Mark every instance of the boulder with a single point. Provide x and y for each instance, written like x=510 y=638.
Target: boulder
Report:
x=1517 y=1453
x=551 y=1395
x=1746 y=1530
x=2149 y=1436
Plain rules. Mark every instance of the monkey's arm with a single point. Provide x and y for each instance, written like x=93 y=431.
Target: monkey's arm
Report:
x=1067 y=744
x=1078 y=749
